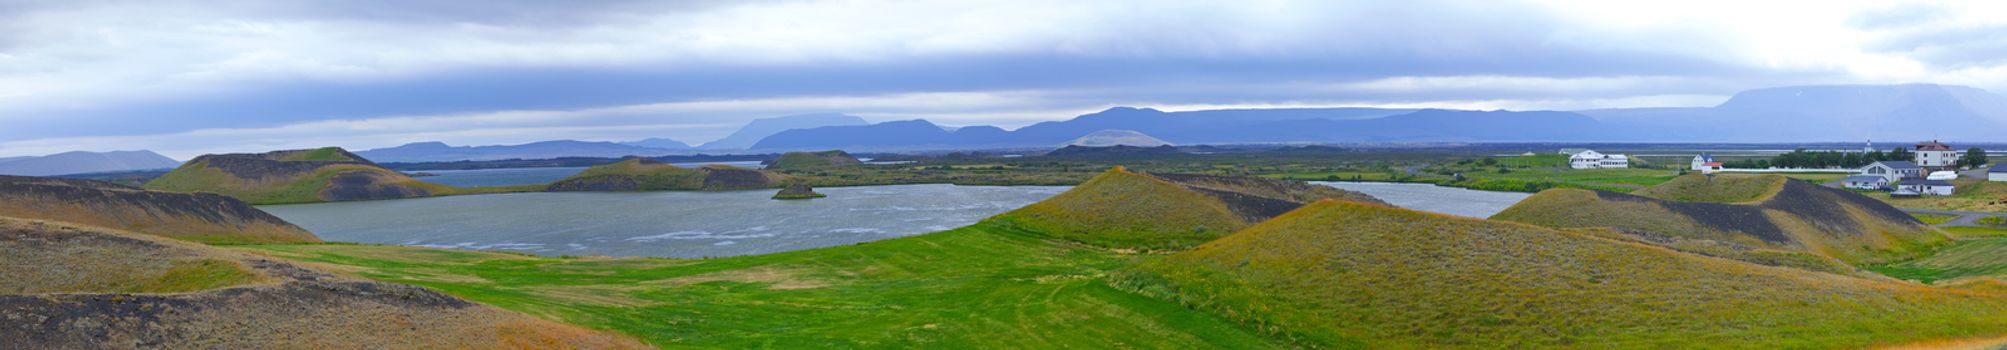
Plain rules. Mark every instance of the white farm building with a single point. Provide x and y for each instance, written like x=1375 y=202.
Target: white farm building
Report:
x=1590 y=159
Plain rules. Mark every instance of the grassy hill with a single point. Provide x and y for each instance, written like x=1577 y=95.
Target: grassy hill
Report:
x=295 y=176
x=71 y=286
x=198 y=217
x=980 y=287
x=1763 y=219
x=641 y=174
x=1124 y=209
x=813 y=160
x=1349 y=275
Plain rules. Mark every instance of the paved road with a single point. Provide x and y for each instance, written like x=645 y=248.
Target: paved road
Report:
x=1965 y=218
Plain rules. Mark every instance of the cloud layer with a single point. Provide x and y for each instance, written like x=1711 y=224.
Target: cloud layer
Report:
x=188 y=77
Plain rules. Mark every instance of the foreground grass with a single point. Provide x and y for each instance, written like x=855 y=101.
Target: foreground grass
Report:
x=976 y=287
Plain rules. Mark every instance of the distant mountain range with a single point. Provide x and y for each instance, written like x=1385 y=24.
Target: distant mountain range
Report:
x=763 y=127
x=1825 y=113
x=1787 y=114
x=1215 y=127
x=80 y=162
x=441 y=152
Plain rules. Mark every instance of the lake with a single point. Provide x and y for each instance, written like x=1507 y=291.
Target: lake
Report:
x=532 y=176
x=1437 y=199
x=666 y=224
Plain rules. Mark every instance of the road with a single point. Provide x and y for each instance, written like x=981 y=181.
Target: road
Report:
x=1965 y=218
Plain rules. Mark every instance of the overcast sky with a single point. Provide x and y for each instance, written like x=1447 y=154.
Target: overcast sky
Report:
x=191 y=77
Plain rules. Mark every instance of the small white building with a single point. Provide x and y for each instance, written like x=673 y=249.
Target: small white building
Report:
x=1936 y=156
x=1893 y=170
x=1590 y=159
x=1705 y=164
x=1997 y=173
x=1866 y=182
x=1927 y=187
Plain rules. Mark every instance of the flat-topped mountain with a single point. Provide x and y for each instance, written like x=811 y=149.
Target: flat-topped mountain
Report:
x=1351 y=275
x=1126 y=209
x=295 y=176
x=201 y=217
x=1106 y=138
x=812 y=160
x=641 y=174
x=80 y=287
x=79 y=162
x=1765 y=219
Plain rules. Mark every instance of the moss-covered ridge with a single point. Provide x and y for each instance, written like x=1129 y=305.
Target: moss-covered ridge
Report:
x=642 y=174
x=1124 y=209
x=293 y=176
x=1763 y=219
x=813 y=160
x=200 y=217
x=1350 y=275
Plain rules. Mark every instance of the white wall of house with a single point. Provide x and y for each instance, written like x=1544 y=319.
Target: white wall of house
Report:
x=1596 y=160
x=1996 y=176
x=1936 y=159
x=1875 y=184
x=1893 y=175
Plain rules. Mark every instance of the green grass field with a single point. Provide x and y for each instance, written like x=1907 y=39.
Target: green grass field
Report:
x=969 y=288
x=1933 y=219
x=1976 y=257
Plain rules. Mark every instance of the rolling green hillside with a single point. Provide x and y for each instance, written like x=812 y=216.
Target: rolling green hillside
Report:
x=979 y=287
x=641 y=174
x=1348 y=275
x=1762 y=219
x=1123 y=209
x=813 y=160
x=295 y=176
x=198 y=217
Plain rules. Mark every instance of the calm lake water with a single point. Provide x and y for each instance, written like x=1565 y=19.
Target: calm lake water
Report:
x=531 y=176
x=1432 y=198
x=671 y=224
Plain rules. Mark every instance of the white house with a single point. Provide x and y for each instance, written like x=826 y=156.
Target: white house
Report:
x=1705 y=164
x=1936 y=156
x=1927 y=187
x=1997 y=173
x=1893 y=170
x=1866 y=182
x=1589 y=159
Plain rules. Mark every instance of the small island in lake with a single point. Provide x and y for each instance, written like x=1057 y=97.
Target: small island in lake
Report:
x=798 y=191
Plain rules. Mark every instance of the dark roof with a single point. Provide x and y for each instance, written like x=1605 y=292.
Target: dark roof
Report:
x=1932 y=145
x=1928 y=182
x=1860 y=178
x=1898 y=164
x=1998 y=168
x=1704 y=158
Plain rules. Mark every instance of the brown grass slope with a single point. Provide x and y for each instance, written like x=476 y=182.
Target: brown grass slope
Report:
x=77 y=287
x=642 y=174
x=1124 y=209
x=1349 y=275
x=199 y=217
x=1764 y=219
x=294 y=176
